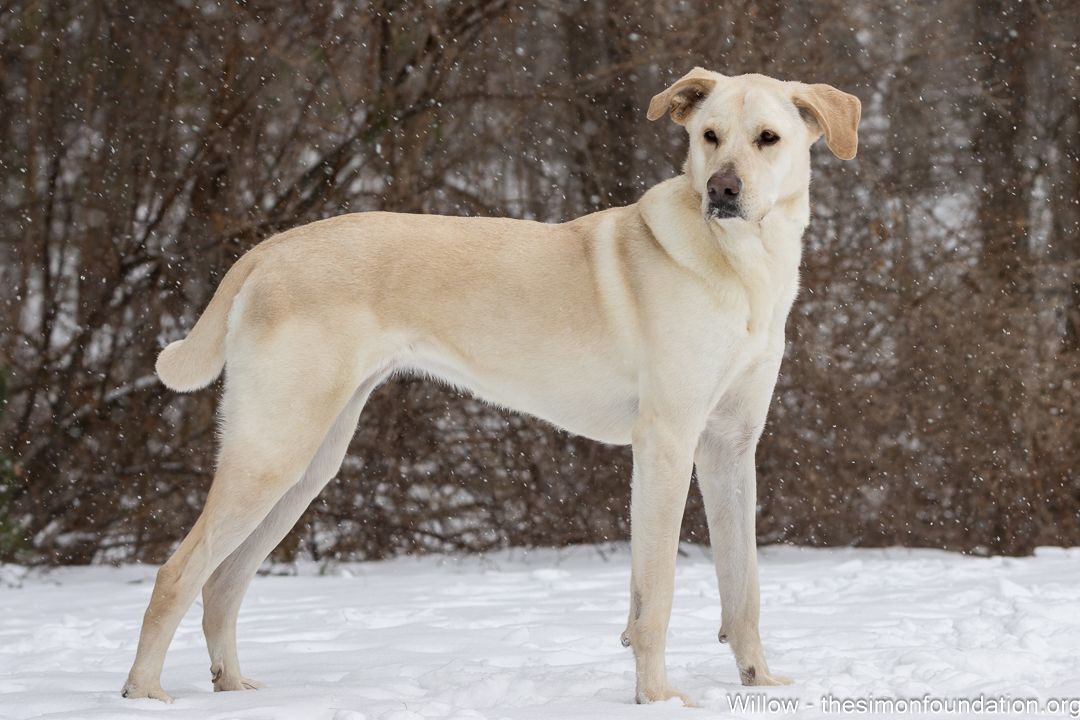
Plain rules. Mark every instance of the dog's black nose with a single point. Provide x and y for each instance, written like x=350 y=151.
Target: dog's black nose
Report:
x=723 y=187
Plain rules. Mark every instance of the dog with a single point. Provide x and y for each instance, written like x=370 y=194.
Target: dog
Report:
x=659 y=324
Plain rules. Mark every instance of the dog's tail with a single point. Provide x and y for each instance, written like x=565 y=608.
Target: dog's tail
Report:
x=197 y=360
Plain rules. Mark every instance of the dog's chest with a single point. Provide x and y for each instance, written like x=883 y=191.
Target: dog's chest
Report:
x=750 y=354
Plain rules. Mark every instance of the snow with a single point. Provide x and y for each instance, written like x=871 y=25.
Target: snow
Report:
x=536 y=635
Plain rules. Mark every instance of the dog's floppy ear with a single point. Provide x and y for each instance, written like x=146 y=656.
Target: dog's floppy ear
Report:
x=682 y=97
x=836 y=114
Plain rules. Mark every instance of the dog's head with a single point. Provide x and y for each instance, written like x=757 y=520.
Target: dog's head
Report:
x=750 y=137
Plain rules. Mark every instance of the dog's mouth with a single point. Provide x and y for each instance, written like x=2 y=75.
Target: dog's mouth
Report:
x=722 y=211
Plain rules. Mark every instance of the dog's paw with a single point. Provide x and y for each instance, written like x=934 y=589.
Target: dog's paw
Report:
x=751 y=676
x=645 y=696
x=133 y=691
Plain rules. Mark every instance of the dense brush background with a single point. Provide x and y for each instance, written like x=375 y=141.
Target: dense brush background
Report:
x=930 y=392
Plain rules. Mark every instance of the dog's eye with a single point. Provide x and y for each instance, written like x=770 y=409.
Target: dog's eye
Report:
x=768 y=137
x=710 y=137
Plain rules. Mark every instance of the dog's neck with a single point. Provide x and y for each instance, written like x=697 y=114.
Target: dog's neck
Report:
x=764 y=255
x=673 y=205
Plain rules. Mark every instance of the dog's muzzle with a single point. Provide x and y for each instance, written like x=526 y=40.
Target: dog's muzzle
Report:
x=723 y=190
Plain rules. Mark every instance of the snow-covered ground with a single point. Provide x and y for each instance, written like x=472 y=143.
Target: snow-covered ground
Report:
x=536 y=635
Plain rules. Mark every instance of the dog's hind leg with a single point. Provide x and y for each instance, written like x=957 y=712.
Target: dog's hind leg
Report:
x=275 y=416
x=224 y=591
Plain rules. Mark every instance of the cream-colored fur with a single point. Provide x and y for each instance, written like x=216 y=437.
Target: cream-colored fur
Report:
x=656 y=324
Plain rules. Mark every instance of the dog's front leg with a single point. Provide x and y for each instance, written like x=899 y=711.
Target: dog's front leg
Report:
x=663 y=463
x=727 y=478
